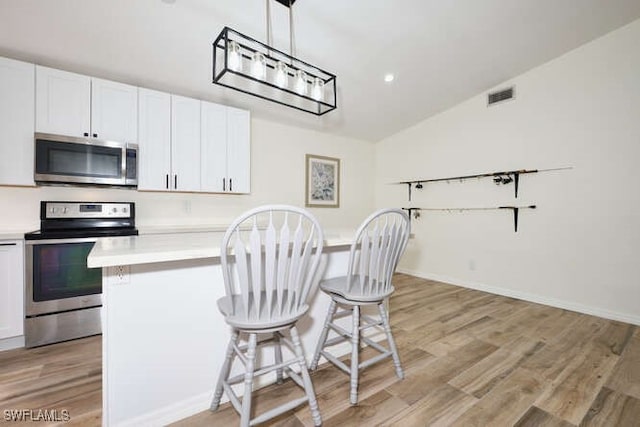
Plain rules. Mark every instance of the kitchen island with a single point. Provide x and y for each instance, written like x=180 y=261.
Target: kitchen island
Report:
x=163 y=337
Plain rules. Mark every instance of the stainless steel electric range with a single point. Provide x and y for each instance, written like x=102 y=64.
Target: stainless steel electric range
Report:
x=62 y=295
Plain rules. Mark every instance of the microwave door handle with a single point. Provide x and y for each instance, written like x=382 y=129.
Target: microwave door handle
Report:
x=123 y=172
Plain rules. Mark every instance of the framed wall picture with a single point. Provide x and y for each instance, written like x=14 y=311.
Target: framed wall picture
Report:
x=322 y=182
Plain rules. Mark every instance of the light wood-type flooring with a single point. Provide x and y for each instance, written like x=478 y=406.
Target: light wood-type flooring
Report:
x=470 y=359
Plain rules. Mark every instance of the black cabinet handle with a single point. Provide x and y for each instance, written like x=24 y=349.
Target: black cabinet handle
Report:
x=7 y=244
x=166 y=181
x=86 y=134
x=224 y=184
x=95 y=135
x=175 y=182
x=230 y=184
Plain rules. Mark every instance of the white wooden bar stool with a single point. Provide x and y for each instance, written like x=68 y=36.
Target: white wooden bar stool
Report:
x=379 y=243
x=269 y=258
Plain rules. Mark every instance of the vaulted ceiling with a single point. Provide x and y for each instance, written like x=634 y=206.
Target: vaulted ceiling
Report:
x=441 y=52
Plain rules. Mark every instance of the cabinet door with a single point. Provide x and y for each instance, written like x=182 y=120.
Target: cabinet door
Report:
x=11 y=288
x=17 y=116
x=154 y=141
x=213 y=159
x=185 y=144
x=239 y=150
x=114 y=111
x=63 y=102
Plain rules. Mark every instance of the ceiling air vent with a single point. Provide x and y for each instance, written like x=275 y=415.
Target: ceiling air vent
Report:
x=500 y=96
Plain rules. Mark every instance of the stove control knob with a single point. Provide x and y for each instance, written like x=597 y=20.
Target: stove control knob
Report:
x=114 y=210
x=124 y=210
x=65 y=209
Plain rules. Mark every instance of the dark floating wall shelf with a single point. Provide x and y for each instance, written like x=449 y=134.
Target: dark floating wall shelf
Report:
x=503 y=177
x=415 y=212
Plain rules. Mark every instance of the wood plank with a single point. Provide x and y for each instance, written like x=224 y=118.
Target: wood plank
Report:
x=506 y=403
x=536 y=417
x=625 y=377
x=486 y=374
x=373 y=410
x=440 y=406
x=439 y=371
x=373 y=379
x=558 y=353
x=571 y=394
x=611 y=408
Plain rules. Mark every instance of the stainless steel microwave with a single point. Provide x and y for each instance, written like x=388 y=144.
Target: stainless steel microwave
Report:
x=71 y=160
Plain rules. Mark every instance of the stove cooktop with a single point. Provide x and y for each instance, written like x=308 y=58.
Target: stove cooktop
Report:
x=80 y=234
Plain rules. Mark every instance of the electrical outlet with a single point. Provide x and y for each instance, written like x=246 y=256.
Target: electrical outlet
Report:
x=119 y=274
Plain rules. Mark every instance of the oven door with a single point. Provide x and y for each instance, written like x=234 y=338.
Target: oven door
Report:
x=57 y=276
x=64 y=159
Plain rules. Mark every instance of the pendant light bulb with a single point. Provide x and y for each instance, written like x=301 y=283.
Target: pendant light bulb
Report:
x=317 y=91
x=234 y=57
x=301 y=82
x=281 y=74
x=258 y=66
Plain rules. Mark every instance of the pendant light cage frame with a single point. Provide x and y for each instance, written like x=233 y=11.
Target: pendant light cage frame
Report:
x=240 y=78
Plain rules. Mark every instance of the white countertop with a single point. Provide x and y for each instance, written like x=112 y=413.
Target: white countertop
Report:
x=153 y=248
x=12 y=234
x=181 y=228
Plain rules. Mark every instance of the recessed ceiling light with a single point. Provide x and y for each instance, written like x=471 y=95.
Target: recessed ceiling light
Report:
x=169 y=1
x=389 y=77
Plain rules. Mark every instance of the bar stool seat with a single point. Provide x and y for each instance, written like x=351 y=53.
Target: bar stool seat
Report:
x=340 y=287
x=264 y=320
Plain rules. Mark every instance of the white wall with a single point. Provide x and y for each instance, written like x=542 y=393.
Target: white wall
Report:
x=277 y=176
x=579 y=249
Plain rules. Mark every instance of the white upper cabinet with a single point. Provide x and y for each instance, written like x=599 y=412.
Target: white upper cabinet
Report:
x=213 y=159
x=63 y=102
x=76 y=105
x=114 y=111
x=11 y=288
x=17 y=116
x=226 y=149
x=185 y=144
x=238 y=150
x=154 y=140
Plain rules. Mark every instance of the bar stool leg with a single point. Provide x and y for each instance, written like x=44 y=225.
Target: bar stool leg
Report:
x=245 y=417
x=392 y=343
x=323 y=335
x=308 y=385
x=355 y=337
x=224 y=372
x=278 y=356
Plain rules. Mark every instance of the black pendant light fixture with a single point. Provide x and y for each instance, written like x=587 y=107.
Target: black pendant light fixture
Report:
x=247 y=65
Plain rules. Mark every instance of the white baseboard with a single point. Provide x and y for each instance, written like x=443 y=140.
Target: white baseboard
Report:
x=12 y=343
x=526 y=296
x=195 y=404
x=172 y=413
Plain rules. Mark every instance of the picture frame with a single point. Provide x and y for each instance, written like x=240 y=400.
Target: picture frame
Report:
x=322 y=182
